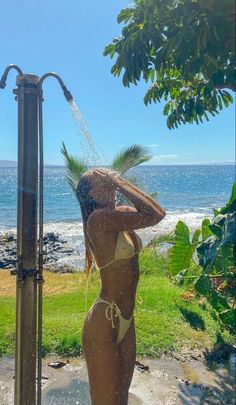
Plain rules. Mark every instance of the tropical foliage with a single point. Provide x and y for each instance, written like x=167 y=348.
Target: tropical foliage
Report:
x=217 y=257
x=184 y=49
x=122 y=162
x=75 y=167
x=130 y=157
x=207 y=260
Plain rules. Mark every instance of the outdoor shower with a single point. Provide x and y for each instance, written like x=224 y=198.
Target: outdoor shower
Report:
x=29 y=269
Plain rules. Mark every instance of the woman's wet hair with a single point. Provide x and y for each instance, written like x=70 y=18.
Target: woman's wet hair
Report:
x=87 y=204
x=83 y=194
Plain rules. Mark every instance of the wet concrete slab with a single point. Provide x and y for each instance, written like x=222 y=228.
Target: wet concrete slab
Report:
x=163 y=382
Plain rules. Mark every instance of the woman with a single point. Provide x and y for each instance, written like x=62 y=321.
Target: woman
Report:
x=113 y=247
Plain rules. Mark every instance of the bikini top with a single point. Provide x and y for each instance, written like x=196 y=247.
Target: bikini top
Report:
x=125 y=248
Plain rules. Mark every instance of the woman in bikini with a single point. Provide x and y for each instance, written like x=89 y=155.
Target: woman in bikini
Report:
x=113 y=247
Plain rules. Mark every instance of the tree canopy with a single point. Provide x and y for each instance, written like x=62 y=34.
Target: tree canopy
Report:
x=184 y=49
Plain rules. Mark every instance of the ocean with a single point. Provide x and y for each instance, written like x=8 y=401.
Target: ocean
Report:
x=186 y=192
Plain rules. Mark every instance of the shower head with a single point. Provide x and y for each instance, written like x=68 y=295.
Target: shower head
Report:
x=66 y=92
x=5 y=75
x=2 y=83
x=68 y=95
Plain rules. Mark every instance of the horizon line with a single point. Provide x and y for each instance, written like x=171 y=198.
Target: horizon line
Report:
x=12 y=163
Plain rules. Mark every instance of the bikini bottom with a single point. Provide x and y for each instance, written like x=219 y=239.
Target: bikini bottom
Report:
x=113 y=311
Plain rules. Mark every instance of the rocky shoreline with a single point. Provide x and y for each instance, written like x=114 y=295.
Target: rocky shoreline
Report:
x=54 y=249
x=64 y=249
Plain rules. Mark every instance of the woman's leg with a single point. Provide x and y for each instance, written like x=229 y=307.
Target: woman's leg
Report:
x=102 y=357
x=127 y=350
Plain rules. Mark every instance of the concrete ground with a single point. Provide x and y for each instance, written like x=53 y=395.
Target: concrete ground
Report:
x=155 y=382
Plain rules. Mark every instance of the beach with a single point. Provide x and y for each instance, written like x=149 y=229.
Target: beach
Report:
x=187 y=193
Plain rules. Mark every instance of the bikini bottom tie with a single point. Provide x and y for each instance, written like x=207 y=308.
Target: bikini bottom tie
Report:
x=113 y=311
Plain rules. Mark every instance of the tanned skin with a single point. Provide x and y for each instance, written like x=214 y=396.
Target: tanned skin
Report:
x=111 y=366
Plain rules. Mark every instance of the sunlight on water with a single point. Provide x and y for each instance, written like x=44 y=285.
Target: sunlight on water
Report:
x=189 y=191
x=88 y=147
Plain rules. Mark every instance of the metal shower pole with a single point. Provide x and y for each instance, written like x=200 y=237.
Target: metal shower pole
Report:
x=29 y=273
x=27 y=95
x=26 y=276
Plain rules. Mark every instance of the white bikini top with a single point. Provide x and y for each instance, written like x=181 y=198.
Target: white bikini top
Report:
x=125 y=248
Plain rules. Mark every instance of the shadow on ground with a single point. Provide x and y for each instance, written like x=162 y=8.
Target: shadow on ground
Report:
x=219 y=387
x=193 y=319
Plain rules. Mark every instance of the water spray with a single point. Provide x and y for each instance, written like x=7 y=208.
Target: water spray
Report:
x=29 y=270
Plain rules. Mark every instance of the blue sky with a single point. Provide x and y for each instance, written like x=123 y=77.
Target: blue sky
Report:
x=69 y=38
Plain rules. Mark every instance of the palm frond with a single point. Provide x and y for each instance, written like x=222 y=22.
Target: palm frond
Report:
x=162 y=239
x=132 y=156
x=75 y=167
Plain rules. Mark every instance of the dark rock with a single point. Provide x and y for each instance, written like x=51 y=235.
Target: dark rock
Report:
x=9 y=237
x=194 y=357
x=12 y=253
x=176 y=356
x=57 y=364
x=68 y=250
x=59 y=268
x=141 y=366
x=54 y=249
x=51 y=237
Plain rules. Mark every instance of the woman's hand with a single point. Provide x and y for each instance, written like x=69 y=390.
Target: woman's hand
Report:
x=108 y=177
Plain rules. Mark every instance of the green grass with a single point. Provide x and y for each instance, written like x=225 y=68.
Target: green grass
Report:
x=164 y=321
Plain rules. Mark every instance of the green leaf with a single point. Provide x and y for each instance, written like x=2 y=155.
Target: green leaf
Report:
x=215 y=212
x=125 y=15
x=202 y=285
x=218 y=302
x=206 y=232
x=195 y=237
x=229 y=230
x=75 y=168
x=220 y=103
x=130 y=157
x=231 y=204
x=208 y=250
x=216 y=226
x=225 y=100
x=109 y=50
x=228 y=317
x=181 y=253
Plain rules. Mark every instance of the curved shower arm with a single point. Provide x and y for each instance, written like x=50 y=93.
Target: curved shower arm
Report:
x=5 y=75
x=66 y=92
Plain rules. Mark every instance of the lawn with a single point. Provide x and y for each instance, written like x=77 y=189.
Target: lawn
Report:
x=165 y=321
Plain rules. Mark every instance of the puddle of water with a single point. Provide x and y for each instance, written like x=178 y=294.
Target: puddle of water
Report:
x=74 y=392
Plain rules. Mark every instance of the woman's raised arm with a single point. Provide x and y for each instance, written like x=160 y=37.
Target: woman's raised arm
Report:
x=146 y=211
